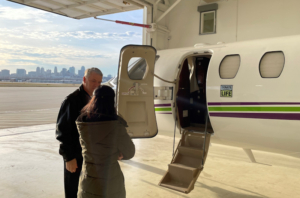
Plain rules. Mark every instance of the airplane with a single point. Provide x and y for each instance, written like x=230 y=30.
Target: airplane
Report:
x=241 y=94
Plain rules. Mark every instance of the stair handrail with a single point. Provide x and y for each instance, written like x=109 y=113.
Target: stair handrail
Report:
x=204 y=145
x=179 y=144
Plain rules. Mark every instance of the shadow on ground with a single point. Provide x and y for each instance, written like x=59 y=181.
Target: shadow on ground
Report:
x=220 y=192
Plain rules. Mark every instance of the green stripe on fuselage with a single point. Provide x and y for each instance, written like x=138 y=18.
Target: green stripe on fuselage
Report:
x=163 y=109
x=289 y=109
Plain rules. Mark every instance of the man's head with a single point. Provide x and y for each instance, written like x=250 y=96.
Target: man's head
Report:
x=92 y=79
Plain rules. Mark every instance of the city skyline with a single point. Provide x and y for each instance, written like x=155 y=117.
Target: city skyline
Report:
x=31 y=38
x=47 y=69
x=40 y=72
x=41 y=75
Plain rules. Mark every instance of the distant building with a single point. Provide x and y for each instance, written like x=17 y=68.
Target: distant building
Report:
x=21 y=72
x=64 y=72
x=55 y=71
x=109 y=76
x=5 y=73
x=81 y=71
x=72 y=71
x=38 y=71
x=32 y=74
x=48 y=72
x=42 y=71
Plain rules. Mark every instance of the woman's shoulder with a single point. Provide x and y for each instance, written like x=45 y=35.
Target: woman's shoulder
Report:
x=93 y=118
x=122 y=120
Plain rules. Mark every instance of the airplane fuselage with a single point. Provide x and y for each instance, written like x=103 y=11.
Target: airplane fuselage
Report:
x=260 y=113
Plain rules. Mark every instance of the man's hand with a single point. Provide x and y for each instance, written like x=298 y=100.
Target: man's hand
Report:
x=72 y=165
x=120 y=156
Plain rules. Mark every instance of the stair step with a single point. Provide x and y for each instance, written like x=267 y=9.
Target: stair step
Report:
x=186 y=166
x=196 y=140
x=175 y=186
x=179 y=177
x=182 y=167
x=188 y=156
x=180 y=172
x=190 y=151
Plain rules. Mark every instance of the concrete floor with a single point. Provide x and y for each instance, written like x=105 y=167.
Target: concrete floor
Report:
x=31 y=167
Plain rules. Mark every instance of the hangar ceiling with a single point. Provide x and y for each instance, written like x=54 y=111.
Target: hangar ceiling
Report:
x=80 y=9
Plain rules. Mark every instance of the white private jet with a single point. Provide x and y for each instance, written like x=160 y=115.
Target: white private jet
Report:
x=244 y=94
x=241 y=94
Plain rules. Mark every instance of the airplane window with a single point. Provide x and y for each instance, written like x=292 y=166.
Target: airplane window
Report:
x=137 y=68
x=271 y=64
x=229 y=66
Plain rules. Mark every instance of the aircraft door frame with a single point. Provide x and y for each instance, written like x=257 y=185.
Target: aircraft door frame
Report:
x=135 y=97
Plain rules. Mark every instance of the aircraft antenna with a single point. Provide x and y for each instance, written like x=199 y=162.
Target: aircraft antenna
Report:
x=126 y=23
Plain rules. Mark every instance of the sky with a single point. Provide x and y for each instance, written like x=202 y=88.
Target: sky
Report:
x=31 y=38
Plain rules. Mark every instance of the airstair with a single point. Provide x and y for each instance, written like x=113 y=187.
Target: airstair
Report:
x=188 y=161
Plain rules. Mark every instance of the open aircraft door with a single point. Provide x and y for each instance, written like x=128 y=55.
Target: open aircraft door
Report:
x=189 y=158
x=135 y=96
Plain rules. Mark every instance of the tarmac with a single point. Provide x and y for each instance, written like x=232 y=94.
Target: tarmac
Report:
x=31 y=167
x=29 y=106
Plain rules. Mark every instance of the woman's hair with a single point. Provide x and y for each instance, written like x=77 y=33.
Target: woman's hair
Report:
x=101 y=104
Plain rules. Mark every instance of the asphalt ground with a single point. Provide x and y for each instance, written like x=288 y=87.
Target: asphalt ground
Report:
x=28 y=106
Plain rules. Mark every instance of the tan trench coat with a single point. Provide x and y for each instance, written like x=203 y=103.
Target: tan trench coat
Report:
x=101 y=142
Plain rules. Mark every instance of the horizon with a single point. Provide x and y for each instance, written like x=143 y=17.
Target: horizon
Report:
x=47 y=69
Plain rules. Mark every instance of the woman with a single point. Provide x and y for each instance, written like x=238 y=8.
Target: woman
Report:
x=103 y=139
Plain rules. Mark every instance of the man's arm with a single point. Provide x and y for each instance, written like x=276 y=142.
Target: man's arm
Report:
x=64 y=127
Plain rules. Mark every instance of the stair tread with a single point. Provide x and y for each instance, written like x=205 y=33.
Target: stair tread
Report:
x=200 y=130
x=175 y=186
x=183 y=166
x=191 y=148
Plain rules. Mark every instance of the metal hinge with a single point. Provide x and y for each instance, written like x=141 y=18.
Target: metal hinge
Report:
x=163 y=93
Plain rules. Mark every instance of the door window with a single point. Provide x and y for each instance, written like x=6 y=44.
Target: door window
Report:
x=137 y=68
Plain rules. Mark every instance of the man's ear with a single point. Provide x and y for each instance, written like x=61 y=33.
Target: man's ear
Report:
x=84 y=80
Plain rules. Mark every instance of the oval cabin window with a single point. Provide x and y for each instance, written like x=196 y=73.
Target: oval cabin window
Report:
x=229 y=66
x=137 y=68
x=271 y=64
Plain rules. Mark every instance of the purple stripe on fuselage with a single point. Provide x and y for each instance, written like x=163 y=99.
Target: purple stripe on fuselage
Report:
x=162 y=105
x=251 y=103
x=273 y=116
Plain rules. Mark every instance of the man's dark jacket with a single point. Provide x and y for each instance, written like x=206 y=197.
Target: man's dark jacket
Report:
x=66 y=129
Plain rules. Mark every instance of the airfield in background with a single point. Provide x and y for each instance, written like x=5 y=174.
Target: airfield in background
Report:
x=28 y=106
